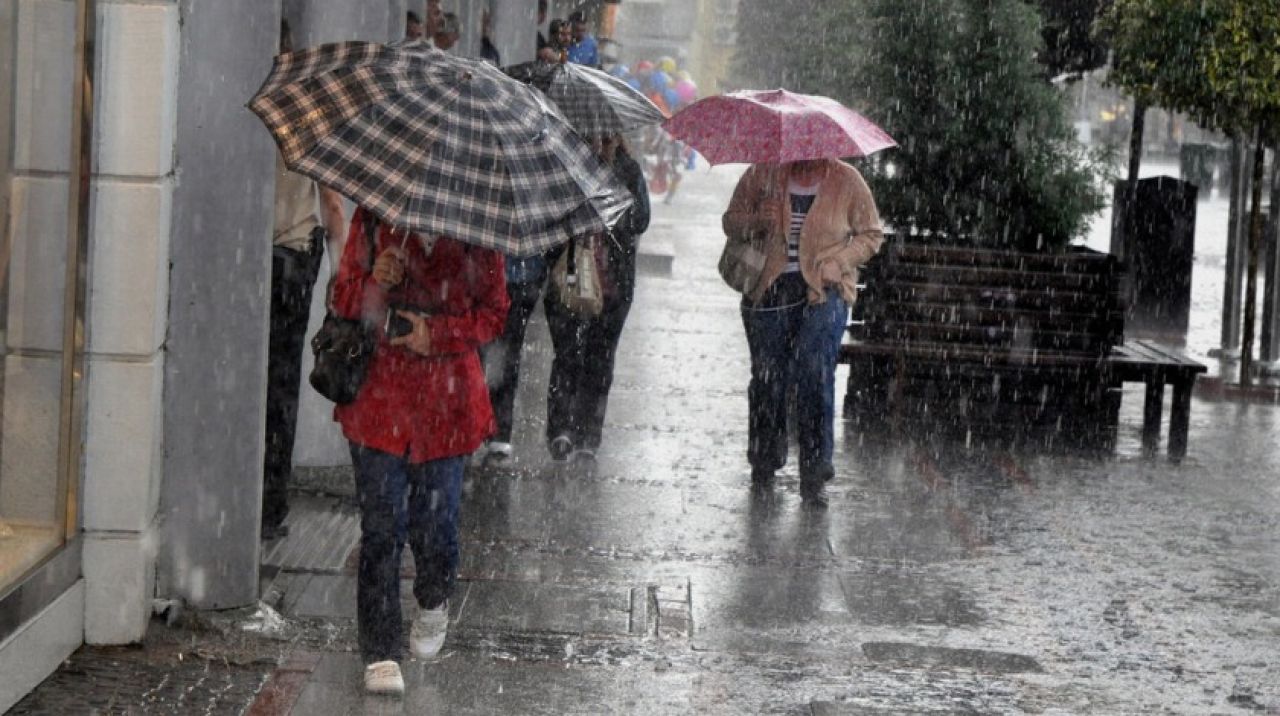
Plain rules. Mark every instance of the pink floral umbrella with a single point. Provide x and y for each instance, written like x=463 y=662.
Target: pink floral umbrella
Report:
x=775 y=126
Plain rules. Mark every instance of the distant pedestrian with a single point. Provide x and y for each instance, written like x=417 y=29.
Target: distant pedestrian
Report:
x=541 y=19
x=488 y=51
x=308 y=220
x=818 y=223
x=585 y=347
x=526 y=278
x=557 y=48
x=423 y=408
x=583 y=49
x=412 y=26
x=448 y=33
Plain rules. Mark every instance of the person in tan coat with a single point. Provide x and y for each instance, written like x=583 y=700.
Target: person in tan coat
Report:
x=818 y=223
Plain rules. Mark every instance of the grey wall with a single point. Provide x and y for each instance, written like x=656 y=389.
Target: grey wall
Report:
x=316 y=22
x=514 y=30
x=215 y=372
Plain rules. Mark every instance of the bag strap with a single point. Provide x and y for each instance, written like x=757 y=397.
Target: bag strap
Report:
x=571 y=266
x=371 y=236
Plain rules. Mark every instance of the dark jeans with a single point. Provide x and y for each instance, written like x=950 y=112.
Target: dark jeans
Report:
x=293 y=276
x=507 y=350
x=398 y=498
x=795 y=346
x=582 y=371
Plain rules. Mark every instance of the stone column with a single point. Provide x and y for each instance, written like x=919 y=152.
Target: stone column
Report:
x=220 y=278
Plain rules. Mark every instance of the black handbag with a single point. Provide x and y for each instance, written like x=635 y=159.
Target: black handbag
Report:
x=342 y=347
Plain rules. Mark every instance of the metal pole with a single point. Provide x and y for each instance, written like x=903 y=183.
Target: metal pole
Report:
x=1270 y=348
x=1232 y=288
x=74 y=324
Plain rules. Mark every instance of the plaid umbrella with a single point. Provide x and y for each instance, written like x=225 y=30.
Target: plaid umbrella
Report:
x=438 y=144
x=594 y=102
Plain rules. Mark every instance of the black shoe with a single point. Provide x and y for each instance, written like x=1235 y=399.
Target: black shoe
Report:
x=761 y=477
x=813 y=490
x=560 y=448
x=274 y=531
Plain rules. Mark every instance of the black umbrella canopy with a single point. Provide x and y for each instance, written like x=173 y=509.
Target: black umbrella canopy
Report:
x=594 y=103
x=438 y=144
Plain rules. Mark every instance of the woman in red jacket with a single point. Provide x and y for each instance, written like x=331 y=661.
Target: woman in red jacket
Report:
x=422 y=409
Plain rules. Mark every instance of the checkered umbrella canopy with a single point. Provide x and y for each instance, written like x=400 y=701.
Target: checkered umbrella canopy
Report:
x=594 y=102
x=438 y=144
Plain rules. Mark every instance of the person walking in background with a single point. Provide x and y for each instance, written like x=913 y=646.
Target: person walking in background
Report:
x=582 y=49
x=308 y=218
x=448 y=32
x=542 y=39
x=585 y=347
x=422 y=409
x=819 y=223
x=525 y=280
x=488 y=51
x=412 y=26
x=557 y=49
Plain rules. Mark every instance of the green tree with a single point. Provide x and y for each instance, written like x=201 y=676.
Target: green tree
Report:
x=986 y=153
x=1070 y=46
x=1159 y=51
x=1243 y=70
x=1217 y=60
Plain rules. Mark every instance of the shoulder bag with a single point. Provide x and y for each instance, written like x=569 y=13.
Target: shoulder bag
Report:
x=576 y=277
x=342 y=347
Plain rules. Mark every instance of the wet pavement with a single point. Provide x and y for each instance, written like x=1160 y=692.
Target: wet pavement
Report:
x=939 y=581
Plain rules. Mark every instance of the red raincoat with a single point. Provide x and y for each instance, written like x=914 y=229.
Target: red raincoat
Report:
x=423 y=407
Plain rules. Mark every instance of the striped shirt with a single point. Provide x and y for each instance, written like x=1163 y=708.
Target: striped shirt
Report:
x=801 y=201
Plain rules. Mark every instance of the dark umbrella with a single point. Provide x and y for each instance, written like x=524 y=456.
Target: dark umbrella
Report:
x=438 y=145
x=594 y=102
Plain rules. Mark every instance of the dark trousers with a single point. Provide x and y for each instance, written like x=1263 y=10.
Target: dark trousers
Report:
x=582 y=370
x=293 y=276
x=505 y=352
x=399 y=498
x=795 y=346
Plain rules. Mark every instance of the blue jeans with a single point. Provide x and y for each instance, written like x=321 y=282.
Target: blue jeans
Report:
x=793 y=346
x=399 y=498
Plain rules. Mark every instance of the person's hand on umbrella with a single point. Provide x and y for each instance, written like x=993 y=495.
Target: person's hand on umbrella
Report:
x=388 y=268
x=417 y=340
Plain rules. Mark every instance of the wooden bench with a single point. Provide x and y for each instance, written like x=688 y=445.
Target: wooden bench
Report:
x=1000 y=347
x=1156 y=365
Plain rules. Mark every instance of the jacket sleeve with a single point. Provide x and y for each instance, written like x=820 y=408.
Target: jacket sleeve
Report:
x=355 y=294
x=486 y=275
x=741 y=217
x=864 y=223
x=637 y=219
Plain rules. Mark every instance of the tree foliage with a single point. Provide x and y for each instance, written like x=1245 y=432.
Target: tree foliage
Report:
x=1159 y=53
x=1242 y=65
x=986 y=152
x=1070 y=45
x=1218 y=60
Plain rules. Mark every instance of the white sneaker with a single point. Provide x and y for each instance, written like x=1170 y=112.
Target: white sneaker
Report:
x=426 y=636
x=383 y=677
x=498 y=453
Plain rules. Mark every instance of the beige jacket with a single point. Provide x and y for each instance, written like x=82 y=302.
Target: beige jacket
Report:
x=842 y=226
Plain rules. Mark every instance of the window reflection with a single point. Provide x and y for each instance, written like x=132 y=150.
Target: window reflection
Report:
x=36 y=74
